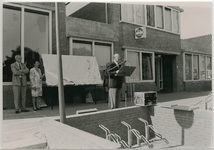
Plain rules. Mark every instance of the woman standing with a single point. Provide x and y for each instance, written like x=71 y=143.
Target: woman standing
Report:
x=36 y=85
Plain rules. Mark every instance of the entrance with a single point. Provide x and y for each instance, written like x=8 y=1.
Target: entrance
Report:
x=163 y=73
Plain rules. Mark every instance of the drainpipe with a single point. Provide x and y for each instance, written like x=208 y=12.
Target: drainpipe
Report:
x=60 y=75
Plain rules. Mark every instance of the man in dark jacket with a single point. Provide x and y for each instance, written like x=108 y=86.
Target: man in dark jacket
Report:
x=115 y=82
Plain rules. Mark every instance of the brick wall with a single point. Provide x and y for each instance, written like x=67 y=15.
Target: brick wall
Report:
x=196 y=86
x=92 y=11
x=189 y=128
x=8 y=98
x=155 y=39
x=81 y=28
x=112 y=120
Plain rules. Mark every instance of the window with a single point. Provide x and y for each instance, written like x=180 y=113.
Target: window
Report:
x=195 y=67
x=209 y=67
x=101 y=50
x=153 y=16
x=168 y=19
x=198 y=67
x=133 y=13
x=103 y=54
x=82 y=48
x=139 y=14
x=134 y=60
x=147 y=66
x=159 y=17
x=144 y=63
x=175 y=15
x=36 y=37
x=188 y=66
x=150 y=15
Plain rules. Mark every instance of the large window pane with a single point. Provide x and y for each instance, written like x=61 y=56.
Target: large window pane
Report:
x=134 y=60
x=202 y=67
x=150 y=15
x=140 y=14
x=129 y=13
x=159 y=16
x=147 y=73
x=11 y=39
x=195 y=67
x=188 y=66
x=36 y=36
x=168 y=19
x=82 y=48
x=209 y=67
x=103 y=55
x=175 y=21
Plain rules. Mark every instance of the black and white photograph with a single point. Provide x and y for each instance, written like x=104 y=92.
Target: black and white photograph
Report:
x=106 y=74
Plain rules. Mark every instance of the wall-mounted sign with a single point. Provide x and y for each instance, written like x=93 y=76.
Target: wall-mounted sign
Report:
x=140 y=32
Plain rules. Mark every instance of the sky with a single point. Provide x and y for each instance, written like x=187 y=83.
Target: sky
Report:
x=196 y=20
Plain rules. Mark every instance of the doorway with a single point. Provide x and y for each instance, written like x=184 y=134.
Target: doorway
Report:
x=163 y=73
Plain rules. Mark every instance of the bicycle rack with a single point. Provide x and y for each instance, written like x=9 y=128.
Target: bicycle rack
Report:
x=157 y=134
x=137 y=135
x=146 y=128
x=111 y=136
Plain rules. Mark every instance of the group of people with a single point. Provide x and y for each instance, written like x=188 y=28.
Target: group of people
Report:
x=19 y=82
x=115 y=84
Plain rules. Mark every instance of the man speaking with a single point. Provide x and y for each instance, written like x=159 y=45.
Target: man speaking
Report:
x=115 y=82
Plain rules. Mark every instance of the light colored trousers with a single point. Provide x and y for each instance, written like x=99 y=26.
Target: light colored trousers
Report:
x=114 y=97
x=17 y=92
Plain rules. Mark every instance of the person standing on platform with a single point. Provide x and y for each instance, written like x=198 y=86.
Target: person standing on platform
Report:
x=115 y=82
x=19 y=82
x=36 y=85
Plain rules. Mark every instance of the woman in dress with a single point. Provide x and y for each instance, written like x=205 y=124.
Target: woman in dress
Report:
x=36 y=85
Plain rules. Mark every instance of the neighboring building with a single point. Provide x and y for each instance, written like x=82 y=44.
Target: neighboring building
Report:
x=148 y=36
x=197 y=63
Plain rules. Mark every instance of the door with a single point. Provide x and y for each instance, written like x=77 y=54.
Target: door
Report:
x=158 y=72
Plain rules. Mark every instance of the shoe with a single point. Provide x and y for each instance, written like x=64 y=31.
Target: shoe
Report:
x=34 y=109
x=38 y=108
x=24 y=110
x=17 y=112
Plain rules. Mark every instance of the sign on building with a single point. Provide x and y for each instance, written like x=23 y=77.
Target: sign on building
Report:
x=140 y=32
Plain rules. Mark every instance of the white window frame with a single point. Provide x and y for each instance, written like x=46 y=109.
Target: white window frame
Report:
x=23 y=7
x=145 y=16
x=184 y=61
x=153 y=64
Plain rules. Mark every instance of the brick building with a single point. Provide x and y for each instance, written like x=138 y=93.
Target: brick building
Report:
x=148 y=36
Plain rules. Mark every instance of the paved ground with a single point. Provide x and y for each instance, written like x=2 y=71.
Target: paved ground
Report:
x=13 y=133
x=184 y=98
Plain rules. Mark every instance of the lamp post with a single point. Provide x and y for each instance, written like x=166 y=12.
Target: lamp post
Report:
x=60 y=75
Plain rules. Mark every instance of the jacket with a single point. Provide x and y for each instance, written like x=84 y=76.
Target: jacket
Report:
x=16 y=80
x=114 y=81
